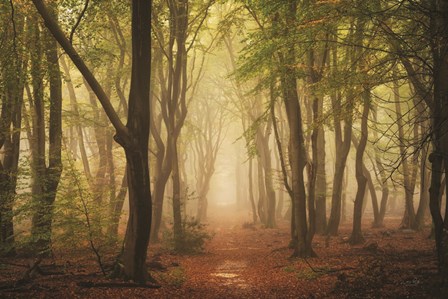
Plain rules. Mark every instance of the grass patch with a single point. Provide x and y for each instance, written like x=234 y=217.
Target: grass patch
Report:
x=307 y=273
x=174 y=277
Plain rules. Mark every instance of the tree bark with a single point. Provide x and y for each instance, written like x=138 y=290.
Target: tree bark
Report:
x=46 y=179
x=342 y=146
x=133 y=137
x=13 y=74
x=382 y=177
x=251 y=193
x=74 y=107
x=409 y=170
x=356 y=236
x=439 y=111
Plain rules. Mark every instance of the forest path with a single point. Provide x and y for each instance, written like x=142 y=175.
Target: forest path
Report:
x=254 y=262
x=242 y=263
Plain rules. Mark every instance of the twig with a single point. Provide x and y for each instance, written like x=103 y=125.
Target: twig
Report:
x=90 y=284
x=78 y=21
x=27 y=276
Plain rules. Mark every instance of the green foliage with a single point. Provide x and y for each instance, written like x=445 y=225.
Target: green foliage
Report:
x=306 y=272
x=193 y=239
x=175 y=277
x=79 y=221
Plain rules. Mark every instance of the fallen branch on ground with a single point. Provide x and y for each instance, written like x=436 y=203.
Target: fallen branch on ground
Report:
x=91 y=284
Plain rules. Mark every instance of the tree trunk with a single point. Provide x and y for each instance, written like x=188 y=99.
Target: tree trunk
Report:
x=136 y=149
x=117 y=203
x=10 y=128
x=269 y=203
x=382 y=177
x=356 y=236
x=317 y=180
x=285 y=174
x=100 y=131
x=47 y=178
x=321 y=180
x=342 y=146
x=342 y=149
x=409 y=170
x=177 y=205
x=133 y=137
x=261 y=204
x=425 y=174
x=439 y=119
x=424 y=194
x=75 y=111
x=251 y=192
x=371 y=189
x=297 y=154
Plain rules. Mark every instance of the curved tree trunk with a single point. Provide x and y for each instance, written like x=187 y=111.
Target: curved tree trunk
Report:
x=382 y=177
x=356 y=236
x=133 y=137
x=342 y=146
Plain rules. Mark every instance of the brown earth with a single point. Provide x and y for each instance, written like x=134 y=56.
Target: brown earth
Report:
x=253 y=262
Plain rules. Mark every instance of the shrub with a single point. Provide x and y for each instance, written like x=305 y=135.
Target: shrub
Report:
x=193 y=238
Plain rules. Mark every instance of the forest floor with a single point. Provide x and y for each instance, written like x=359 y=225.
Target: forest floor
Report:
x=244 y=261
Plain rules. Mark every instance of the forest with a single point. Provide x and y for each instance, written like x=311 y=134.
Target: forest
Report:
x=223 y=149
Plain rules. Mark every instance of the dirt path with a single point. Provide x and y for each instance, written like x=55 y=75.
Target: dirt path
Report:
x=249 y=263
x=254 y=263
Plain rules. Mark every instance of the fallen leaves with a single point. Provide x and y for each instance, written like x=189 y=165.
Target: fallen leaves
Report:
x=255 y=263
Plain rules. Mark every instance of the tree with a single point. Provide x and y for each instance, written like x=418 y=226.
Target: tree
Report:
x=342 y=111
x=12 y=81
x=361 y=179
x=175 y=39
x=46 y=178
x=133 y=136
x=208 y=128
x=427 y=54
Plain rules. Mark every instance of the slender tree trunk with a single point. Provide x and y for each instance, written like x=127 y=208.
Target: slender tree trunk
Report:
x=47 y=178
x=344 y=197
x=371 y=189
x=280 y=193
x=269 y=203
x=297 y=154
x=74 y=107
x=342 y=150
x=382 y=177
x=161 y=179
x=100 y=132
x=342 y=146
x=13 y=74
x=261 y=204
x=117 y=203
x=321 y=180
x=317 y=180
x=133 y=137
x=408 y=169
x=177 y=205
x=356 y=236
x=425 y=173
x=285 y=174
x=251 y=192
x=439 y=112
x=424 y=194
